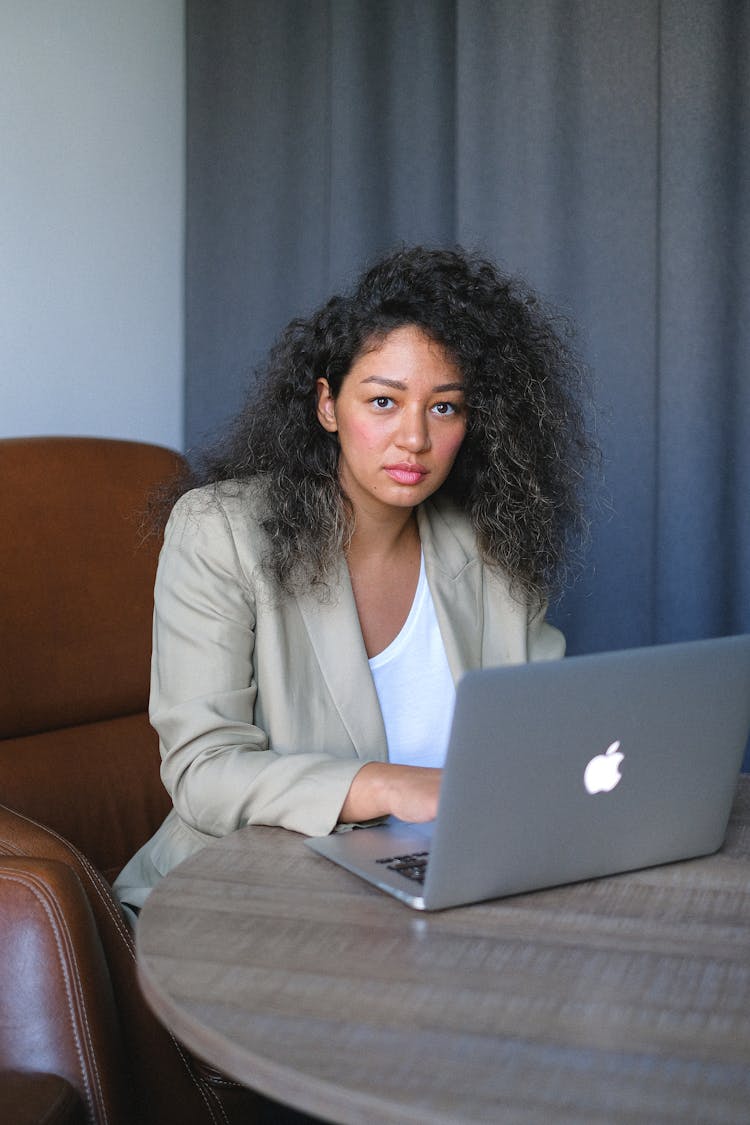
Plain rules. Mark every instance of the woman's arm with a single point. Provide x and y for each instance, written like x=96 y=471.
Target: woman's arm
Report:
x=216 y=762
x=382 y=789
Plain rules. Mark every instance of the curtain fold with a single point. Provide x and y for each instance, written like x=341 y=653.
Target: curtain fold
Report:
x=703 y=363
x=597 y=148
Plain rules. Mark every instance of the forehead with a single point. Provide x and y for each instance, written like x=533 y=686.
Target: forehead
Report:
x=407 y=353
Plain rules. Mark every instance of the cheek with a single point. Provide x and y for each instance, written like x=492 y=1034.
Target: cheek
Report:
x=361 y=434
x=449 y=444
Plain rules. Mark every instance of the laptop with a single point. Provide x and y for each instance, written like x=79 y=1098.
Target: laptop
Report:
x=568 y=770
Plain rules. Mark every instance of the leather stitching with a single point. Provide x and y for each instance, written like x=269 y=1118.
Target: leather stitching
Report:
x=37 y=887
x=203 y=1089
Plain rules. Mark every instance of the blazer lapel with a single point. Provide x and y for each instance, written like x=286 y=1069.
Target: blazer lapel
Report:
x=336 y=637
x=454 y=576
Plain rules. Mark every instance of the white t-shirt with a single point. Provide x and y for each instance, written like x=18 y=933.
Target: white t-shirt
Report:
x=415 y=687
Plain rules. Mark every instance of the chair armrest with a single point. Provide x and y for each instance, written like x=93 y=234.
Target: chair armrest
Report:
x=57 y=1010
x=164 y=1085
x=27 y=1098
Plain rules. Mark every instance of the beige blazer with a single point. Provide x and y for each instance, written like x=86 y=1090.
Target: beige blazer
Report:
x=264 y=704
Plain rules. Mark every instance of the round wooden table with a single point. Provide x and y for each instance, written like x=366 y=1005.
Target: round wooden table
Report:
x=621 y=1000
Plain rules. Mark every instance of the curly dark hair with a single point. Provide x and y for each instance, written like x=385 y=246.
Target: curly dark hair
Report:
x=520 y=471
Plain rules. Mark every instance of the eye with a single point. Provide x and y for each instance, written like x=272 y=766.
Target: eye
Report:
x=445 y=408
x=382 y=402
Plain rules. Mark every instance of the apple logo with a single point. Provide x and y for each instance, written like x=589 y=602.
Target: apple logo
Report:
x=603 y=773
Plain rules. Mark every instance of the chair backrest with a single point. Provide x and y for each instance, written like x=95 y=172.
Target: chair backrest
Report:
x=76 y=586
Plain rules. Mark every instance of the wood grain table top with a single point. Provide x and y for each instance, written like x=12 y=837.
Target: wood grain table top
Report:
x=620 y=1000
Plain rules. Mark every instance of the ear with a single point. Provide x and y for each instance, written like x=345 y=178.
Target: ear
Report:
x=326 y=408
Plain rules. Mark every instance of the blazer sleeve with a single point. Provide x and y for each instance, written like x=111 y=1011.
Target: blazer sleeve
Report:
x=216 y=763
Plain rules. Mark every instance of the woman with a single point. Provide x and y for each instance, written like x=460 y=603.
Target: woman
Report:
x=394 y=506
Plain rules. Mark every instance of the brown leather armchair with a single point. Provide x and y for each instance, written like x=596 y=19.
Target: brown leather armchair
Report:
x=80 y=792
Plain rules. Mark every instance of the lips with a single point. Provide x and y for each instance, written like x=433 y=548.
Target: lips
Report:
x=406 y=473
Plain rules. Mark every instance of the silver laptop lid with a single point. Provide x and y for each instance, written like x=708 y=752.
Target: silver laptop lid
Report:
x=588 y=766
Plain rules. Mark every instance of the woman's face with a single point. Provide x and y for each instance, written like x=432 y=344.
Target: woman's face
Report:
x=400 y=418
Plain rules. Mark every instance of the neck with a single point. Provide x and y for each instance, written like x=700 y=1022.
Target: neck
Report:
x=381 y=536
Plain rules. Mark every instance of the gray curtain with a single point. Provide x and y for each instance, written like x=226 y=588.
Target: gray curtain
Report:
x=598 y=148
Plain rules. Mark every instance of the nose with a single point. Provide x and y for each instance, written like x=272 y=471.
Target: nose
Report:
x=414 y=431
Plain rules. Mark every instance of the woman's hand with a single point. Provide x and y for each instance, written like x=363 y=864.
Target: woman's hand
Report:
x=382 y=789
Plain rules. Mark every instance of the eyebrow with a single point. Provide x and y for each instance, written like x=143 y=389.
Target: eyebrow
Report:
x=399 y=386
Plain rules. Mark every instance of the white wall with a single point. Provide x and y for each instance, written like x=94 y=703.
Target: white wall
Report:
x=92 y=109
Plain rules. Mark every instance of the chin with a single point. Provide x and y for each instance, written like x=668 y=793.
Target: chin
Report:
x=411 y=497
